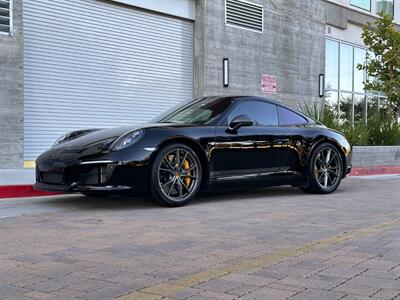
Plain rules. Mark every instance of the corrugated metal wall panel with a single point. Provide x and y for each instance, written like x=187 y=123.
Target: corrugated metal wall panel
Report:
x=92 y=63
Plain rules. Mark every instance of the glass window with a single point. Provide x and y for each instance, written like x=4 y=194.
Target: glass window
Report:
x=348 y=101
x=364 y=4
x=201 y=111
x=359 y=75
x=360 y=110
x=288 y=117
x=346 y=108
x=385 y=6
x=331 y=64
x=346 y=67
x=372 y=104
x=332 y=101
x=262 y=113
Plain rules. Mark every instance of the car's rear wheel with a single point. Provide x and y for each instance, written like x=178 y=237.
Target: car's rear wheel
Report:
x=325 y=170
x=175 y=175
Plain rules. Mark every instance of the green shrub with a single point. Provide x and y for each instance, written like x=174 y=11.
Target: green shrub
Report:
x=381 y=128
x=357 y=134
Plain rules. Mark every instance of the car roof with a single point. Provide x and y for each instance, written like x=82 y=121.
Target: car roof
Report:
x=259 y=98
x=245 y=97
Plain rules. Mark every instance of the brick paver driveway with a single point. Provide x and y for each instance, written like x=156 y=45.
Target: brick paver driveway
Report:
x=275 y=243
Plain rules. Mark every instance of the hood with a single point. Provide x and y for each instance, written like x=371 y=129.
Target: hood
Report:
x=104 y=136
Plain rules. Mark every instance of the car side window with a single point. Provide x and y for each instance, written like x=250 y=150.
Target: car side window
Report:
x=288 y=117
x=262 y=113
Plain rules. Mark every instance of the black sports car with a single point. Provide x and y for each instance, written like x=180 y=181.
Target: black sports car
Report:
x=210 y=141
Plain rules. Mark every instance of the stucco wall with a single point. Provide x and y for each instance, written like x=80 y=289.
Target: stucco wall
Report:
x=11 y=94
x=291 y=48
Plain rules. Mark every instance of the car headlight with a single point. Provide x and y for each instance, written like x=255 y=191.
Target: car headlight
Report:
x=127 y=140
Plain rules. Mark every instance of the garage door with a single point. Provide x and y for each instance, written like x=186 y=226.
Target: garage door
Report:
x=95 y=64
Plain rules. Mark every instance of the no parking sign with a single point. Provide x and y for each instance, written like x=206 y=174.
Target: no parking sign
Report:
x=268 y=84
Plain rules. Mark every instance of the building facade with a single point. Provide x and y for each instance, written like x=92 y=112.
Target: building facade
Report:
x=75 y=64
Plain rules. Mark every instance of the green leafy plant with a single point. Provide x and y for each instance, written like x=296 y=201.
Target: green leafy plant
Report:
x=384 y=129
x=358 y=135
x=321 y=113
x=381 y=128
x=383 y=59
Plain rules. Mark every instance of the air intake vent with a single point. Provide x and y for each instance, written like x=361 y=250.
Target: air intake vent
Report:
x=244 y=14
x=5 y=16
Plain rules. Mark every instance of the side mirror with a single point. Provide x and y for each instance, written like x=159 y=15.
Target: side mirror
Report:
x=238 y=122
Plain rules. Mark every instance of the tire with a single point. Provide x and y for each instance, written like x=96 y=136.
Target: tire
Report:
x=324 y=170
x=175 y=175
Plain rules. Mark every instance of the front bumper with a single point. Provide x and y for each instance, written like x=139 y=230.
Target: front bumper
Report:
x=76 y=188
x=97 y=176
x=68 y=171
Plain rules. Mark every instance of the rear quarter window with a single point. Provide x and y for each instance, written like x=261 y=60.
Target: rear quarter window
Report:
x=288 y=117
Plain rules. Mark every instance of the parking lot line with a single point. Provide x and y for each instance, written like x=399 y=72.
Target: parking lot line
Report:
x=172 y=287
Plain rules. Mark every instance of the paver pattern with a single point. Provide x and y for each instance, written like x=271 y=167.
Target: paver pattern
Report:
x=274 y=243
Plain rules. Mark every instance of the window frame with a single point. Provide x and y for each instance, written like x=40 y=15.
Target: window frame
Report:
x=360 y=7
x=224 y=119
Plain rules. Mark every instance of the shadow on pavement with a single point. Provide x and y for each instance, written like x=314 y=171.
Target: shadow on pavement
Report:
x=81 y=202
x=118 y=202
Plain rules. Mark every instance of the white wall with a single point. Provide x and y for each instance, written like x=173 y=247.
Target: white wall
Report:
x=373 y=8
x=180 y=8
x=351 y=35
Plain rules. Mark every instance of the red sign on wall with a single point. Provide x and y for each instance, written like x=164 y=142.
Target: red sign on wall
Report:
x=268 y=84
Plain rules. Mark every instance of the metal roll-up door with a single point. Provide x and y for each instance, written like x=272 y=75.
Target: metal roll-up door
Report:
x=96 y=64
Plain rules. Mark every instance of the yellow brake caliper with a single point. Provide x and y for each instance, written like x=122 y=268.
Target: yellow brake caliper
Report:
x=186 y=167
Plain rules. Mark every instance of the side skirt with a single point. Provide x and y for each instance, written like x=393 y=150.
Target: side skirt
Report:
x=273 y=180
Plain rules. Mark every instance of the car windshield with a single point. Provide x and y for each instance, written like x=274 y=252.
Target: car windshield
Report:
x=201 y=111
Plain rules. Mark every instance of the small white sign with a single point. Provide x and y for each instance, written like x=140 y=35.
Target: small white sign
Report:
x=268 y=84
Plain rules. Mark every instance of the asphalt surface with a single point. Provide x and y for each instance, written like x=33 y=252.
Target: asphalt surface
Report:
x=273 y=243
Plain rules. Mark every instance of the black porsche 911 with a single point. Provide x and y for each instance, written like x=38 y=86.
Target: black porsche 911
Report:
x=207 y=142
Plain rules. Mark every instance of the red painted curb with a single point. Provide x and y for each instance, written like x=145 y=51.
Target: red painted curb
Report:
x=17 y=191
x=374 y=170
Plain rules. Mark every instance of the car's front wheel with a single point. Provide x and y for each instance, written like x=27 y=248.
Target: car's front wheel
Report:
x=175 y=175
x=325 y=170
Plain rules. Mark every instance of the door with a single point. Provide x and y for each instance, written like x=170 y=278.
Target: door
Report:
x=96 y=64
x=252 y=152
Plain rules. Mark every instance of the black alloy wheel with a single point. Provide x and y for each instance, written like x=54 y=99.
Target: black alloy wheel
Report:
x=325 y=170
x=176 y=175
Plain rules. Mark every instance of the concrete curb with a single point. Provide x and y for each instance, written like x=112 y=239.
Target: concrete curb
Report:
x=374 y=170
x=19 y=191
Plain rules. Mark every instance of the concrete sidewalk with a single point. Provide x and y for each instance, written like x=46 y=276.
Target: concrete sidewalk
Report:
x=275 y=243
x=16 y=183
x=17 y=177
